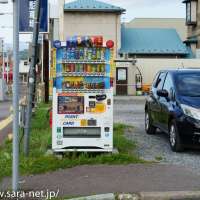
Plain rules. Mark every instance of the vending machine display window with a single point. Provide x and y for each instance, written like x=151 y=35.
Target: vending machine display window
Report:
x=70 y=105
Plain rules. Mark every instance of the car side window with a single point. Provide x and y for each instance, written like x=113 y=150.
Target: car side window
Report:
x=155 y=80
x=168 y=85
x=160 y=81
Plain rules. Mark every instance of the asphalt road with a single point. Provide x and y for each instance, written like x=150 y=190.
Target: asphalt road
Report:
x=130 y=110
x=5 y=109
x=5 y=105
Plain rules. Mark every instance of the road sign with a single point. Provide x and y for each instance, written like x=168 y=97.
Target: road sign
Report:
x=27 y=12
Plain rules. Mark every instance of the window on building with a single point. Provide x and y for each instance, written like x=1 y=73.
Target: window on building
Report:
x=191 y=12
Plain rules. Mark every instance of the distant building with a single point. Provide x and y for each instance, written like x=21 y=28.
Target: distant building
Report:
x=145 y=51
x=91 y=17
x=6 y=66
x=193 y=24
x=152 y=42
x=161 y=23
x=24 y=70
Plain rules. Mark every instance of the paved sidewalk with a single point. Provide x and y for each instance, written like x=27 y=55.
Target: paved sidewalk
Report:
x=101 y=179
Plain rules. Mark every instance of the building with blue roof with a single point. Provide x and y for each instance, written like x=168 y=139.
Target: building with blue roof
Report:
x=145 y=51
x=151 y=42
x=91 y=6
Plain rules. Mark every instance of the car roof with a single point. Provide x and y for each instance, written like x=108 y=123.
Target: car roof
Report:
x=181 y=70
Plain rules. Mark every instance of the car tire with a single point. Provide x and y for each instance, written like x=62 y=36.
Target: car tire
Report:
x=174 y=138
x=149 y=128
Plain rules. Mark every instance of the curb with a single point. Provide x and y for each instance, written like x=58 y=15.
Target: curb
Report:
x=109 y=196
x=179 y=195
x=175 y=195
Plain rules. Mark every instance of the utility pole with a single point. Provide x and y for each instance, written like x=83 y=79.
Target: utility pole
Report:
x=15 y=174
x=32 y=78
x=7 y=68
x=3 y=69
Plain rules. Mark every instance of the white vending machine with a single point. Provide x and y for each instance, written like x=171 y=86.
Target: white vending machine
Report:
x=83 y=95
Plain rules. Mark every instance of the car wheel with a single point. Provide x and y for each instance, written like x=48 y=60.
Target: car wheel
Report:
x=150 y=129
x=174 y=138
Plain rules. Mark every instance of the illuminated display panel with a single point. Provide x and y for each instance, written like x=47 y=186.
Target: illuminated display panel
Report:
x=70 y=105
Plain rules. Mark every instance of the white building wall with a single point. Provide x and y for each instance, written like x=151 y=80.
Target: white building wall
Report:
x=149 y=68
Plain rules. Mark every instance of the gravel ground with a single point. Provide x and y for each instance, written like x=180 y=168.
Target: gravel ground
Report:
x=130 y=110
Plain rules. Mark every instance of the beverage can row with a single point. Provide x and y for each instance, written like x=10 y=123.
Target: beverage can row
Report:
x=88 y=68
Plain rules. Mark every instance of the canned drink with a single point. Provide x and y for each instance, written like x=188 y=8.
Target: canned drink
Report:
x=98 y=68
x=102 y=68
x=90 y=54
x=68 y=68
x=85 y=67
x=94 y=54
x=72 y=53
x=102 y=54
x=98 y=54
x=85 y=53
x=72 y=67
x=89 y=68
x=81 y=68
x=93 y=68
x=77 y=57
x=64 y=54
x=81 y=54
x=67 y=53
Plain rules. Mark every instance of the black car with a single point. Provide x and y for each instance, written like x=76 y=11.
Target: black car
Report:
x=173 y=106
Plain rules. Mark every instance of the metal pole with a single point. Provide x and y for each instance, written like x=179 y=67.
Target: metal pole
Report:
x=15 y=175
x=32 y=78
x=7 y=68
x=3 y=59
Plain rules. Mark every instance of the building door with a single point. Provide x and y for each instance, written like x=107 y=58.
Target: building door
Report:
x=122 y=81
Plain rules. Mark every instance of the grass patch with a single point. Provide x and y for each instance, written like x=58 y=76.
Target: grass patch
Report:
x=40 y=141
x=159 y=158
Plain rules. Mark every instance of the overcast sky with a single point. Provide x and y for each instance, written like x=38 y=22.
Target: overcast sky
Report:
x=135 y=8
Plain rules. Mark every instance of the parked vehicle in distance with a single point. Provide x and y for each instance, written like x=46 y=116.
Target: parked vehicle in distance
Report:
x=174 y=107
